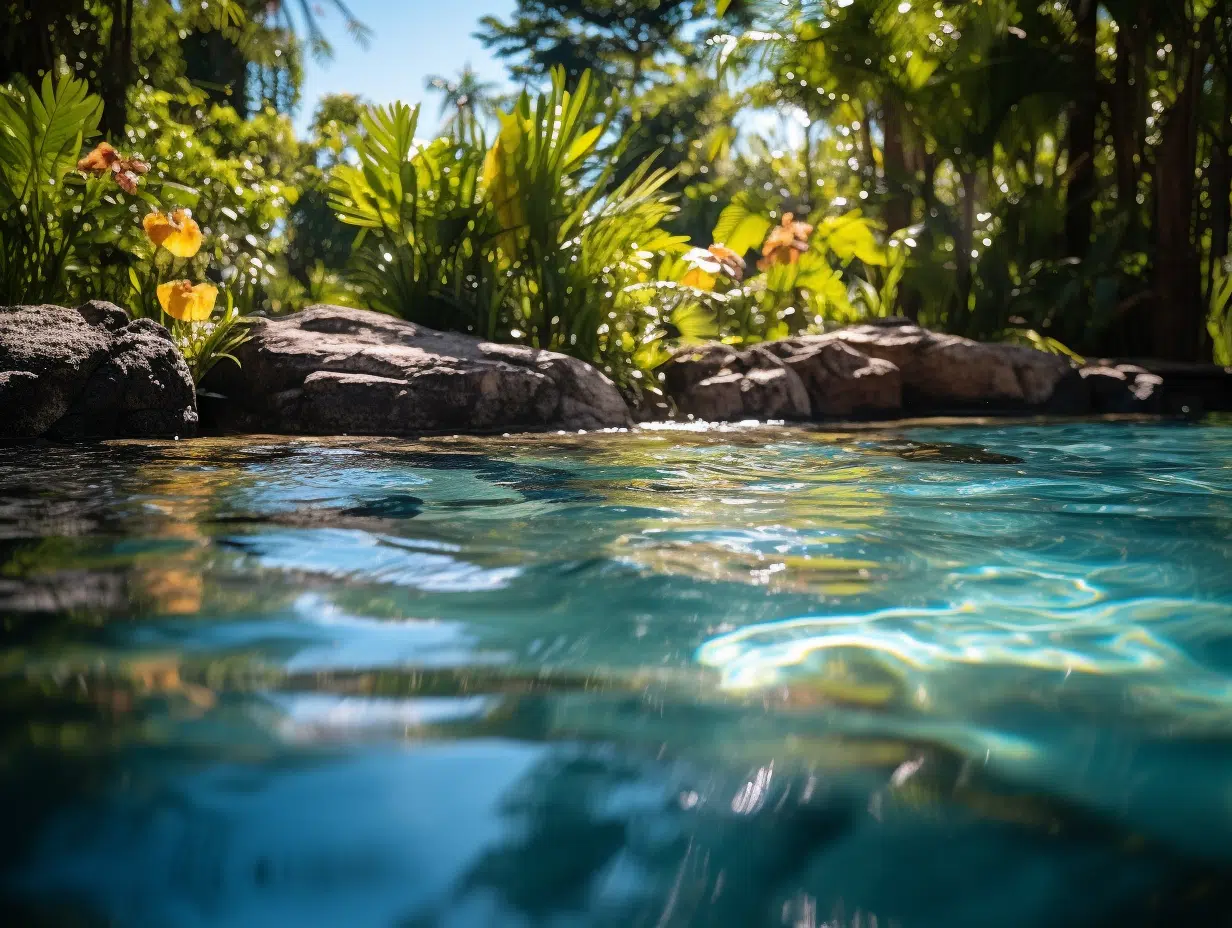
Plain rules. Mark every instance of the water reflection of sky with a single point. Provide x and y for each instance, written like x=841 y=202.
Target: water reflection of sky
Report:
x=366 y=681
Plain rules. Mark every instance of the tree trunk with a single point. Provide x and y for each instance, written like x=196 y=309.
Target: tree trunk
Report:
x=963 y=244
x=115 y=82
x=897 y=175
x=866 y=143
x=1080 y=192
x=1177 y=324
x=1126 y=119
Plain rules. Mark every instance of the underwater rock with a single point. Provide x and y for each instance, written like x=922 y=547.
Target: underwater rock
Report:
x=332 y=370
x=90 y=372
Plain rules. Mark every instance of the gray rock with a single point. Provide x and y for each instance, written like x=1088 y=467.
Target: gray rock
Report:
x=942 y=372
x=90 y=373
x=715 y=383
x=874 y=371
x=331 y=370
x=842 y=382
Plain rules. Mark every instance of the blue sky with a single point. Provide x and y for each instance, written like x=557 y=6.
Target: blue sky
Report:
x=410 y=40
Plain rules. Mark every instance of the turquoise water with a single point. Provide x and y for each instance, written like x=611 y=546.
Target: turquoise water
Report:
x=961 y=676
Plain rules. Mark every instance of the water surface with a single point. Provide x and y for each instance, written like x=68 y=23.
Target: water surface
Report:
x=961 y=676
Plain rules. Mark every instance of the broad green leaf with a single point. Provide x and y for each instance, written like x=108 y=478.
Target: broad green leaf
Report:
x=849 y=237
x=740 y=229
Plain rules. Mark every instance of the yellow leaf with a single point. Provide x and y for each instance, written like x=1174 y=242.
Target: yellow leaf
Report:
x=582 y=146
x=501 y=183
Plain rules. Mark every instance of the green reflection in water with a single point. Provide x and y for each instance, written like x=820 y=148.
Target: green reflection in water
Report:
x=824 y=647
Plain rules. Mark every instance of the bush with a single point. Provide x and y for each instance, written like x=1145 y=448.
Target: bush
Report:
x=528 y=240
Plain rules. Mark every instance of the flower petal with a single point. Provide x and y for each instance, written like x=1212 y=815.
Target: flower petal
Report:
x=99 y=161
x=733 y=264
x=181 y=300
x=177 y=232
x=127 y=181
x=698 y=278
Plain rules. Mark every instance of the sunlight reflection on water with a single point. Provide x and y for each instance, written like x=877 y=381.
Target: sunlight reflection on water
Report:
x=956 y=676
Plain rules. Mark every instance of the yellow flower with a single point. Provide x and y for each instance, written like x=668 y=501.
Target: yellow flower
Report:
x=178 y=232
x=181 y=300
x=707 y=264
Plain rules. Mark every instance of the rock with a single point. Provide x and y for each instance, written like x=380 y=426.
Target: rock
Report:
x=331 y=370
x=1178 y=388
x=715 y=383
x=90 y=372
x=942 y=373
x=842 y=382
x=1122 y=388
x=875 y=371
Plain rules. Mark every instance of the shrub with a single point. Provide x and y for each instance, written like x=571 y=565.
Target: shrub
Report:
x=528 y=240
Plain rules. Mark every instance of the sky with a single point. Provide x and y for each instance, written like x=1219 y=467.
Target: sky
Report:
x=411 y=39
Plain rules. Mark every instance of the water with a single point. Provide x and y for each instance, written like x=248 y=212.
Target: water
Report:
x=964 y=676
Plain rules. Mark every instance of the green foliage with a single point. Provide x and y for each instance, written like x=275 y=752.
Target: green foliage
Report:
x=205 y=344
x=829 y=283
x=420 y=251
x=572 y=241
x=743 y=225
x=45 y=218
x=531 y=240
x=240 y=177
x=1219 y=316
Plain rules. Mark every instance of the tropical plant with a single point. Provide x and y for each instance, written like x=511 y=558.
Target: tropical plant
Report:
x=47 y=213
x=808 y=270
x=571 y=241
x=423 y=249
x=206 y=342
x=531 y=240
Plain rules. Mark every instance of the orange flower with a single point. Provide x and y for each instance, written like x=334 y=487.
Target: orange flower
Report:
x=126 y=172
x=785 y=243
x=99 y=161
x=177 y=232
x=706 y=264
x=732 y=263
x=180 y=299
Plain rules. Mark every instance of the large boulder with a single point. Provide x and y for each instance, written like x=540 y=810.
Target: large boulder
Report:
x=942 y=373
x=796 y=378
x=90 y=372
x=842 y=382
x=874 y=372
x=716 y=383
x=331 y=370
